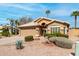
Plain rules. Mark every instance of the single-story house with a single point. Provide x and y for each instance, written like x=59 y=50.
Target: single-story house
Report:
x=41 y=25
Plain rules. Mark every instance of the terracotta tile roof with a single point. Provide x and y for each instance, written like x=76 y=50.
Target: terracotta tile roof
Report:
x=40 y=18
x=29 y=24
x=59 y=22
x=33 y=23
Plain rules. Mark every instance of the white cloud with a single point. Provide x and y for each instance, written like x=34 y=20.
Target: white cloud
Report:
x=61 y=12
x=64 y=10
x=27 y=7
x=18 y=15
x=1 y=18
x=18 y=6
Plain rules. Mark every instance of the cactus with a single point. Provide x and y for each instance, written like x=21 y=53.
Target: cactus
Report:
x=19 y=44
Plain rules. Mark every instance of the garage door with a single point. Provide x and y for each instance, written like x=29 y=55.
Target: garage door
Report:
x=26 y=32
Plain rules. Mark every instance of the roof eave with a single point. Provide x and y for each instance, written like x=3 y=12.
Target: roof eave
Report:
x=28 y=26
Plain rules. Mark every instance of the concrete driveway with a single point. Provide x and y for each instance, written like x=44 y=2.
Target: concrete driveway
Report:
x=9 y=40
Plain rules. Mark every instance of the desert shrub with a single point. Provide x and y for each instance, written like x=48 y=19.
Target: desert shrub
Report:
x=63 y=42
x=56 y=35
x=5 y=32
x=29 y=38
x=52 y=39
x=0 y=33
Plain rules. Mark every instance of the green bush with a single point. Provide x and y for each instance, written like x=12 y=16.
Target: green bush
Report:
x=29 y=38
x=61 y=42
x=56 y=35
x=48 y=35
x=52 y=39
x=5 y=32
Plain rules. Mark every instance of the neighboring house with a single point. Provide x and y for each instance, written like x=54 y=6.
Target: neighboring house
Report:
x=1 y=27
x=41 y=25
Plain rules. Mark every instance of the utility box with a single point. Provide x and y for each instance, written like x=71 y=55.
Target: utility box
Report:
x=77 y=48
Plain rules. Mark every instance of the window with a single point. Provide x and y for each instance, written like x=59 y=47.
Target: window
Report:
x=65 y=30
x=56 y=29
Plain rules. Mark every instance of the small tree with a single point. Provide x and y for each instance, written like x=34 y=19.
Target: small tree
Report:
x=25 y=19
x=16 y=26
x=11 y=24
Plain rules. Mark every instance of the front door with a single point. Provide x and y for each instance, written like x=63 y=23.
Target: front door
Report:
x=42 y=31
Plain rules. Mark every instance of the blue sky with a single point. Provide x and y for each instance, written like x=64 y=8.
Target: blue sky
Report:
x=58 y=11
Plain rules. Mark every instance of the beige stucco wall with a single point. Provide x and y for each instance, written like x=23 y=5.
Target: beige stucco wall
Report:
x=60 y=25
x=29 y=31
x=44 y=21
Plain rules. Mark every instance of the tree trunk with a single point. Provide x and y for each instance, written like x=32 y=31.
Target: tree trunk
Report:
x=51 y=30
x=75 y=21
x=47 y=15
x=10 y=31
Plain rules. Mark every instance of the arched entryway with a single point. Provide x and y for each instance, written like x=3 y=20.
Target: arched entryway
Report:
x=43 y=28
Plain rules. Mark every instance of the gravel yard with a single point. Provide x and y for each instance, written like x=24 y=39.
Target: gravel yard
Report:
x=35 y=48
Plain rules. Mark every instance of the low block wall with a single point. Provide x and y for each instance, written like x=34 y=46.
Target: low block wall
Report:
x=73 y=33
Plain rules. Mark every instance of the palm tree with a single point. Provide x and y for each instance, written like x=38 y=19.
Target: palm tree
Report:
x=16 y=23
x=47 y=12
x=16 y=26
x=75 y=14
x=11 y=25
